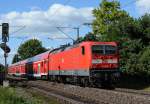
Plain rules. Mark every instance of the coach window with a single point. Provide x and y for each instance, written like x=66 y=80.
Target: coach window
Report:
x=83 y=50
x=42 y=64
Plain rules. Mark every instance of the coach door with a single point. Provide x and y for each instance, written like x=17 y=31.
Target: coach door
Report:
x=45 y=66
x=29 y=69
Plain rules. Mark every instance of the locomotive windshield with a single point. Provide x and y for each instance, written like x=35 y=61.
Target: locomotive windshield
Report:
x=110 y=49
x=98 y=49
x=104 y=49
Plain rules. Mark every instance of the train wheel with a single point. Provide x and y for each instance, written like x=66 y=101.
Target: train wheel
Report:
x=63 y=79
x=75 y=80
x=30 y=78
x=84 y=82
x=107 y=85
x=58 y=79
x=50 y=78
x=43 y=77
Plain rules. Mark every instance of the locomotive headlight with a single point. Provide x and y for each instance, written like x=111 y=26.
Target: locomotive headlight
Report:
x=96 y=61
x=112 y=61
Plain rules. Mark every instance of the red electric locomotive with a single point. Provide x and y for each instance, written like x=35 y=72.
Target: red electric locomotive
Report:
x=87 y=62
x=92 y=63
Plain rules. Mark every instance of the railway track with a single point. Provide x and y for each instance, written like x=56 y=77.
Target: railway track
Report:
x=64 y=97
x=79 y=95
x=122 y=90
x=61 y=98
x=131 y=91
x=94 y=95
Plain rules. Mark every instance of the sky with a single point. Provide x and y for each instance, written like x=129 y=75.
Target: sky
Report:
x=39 y=18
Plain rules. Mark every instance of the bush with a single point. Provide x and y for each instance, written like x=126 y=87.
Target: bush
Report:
x=145 y=60
x=1 y=68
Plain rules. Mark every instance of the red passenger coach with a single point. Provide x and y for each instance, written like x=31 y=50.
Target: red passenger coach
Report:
x=17 y=69
x=37 y=66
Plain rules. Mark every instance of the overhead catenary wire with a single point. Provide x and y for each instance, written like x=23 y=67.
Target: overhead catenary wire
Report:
x=54 y=14
x=18 y=30
x=65 y=33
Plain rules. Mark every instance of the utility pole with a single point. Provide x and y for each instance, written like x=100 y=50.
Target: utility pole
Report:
x=87 y=24
x=78 y=32
x=76 y=28
x=59 y=28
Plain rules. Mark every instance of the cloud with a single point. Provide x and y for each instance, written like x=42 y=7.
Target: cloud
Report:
x=35 y=8
x=143 y=6
x=44 y=22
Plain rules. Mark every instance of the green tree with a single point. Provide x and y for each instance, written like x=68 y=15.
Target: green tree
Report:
x=90 y=37
x=1 y=68
x=145 y=60
x=129 y=56
x=30 y=48
x=16 y=58
x=107 y=14
x=113 y=24
x=144 y=22
x=134 y=28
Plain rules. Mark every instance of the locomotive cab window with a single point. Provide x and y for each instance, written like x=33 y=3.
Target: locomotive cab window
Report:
x=83 y=50
x=109 y=49
x=98 y=49
x=104 y=49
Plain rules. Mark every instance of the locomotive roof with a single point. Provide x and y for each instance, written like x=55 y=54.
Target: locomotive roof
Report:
x=102 y=43
x=68 y=46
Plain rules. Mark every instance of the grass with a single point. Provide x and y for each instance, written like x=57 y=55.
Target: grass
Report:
x=147 y=89
x=15 y=96
x=8 y=96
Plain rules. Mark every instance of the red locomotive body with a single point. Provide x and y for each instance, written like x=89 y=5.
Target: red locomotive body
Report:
x=86 y=62
x=70 y=60
x=94 y=62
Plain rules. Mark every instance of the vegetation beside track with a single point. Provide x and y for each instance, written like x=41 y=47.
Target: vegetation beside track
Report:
x=111 y=23
x=134 y=82
x=20 y=96
x=147 y=89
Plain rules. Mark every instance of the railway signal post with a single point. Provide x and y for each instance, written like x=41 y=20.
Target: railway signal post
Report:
x=5 y=48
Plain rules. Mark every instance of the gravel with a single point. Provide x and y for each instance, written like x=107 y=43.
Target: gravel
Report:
x=94 y=95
